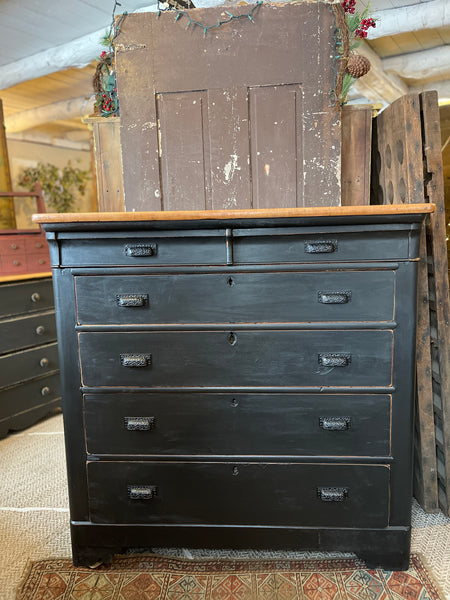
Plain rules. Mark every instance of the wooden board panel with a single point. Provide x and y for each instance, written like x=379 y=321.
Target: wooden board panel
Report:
x=236 y=69
x=425 y=467
x=438 y=283
x=397 y=154
x=356 y=139
x=228 y=122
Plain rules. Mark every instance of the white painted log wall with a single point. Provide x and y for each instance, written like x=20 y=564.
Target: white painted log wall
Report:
x=426 y=15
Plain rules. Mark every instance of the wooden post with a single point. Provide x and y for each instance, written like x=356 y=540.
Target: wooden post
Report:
x=356 y=135
x=7 y=217
x=108 y=162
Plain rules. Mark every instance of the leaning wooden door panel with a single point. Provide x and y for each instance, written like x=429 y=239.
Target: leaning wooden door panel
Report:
x=278 y=71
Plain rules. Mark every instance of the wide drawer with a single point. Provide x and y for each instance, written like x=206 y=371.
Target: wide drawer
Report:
x=23 y=332
x=239 y=493
x=27 y=364
x=236 y=297
x=170 y=248
x=291 y=245
x=234 y=359
x=28 y=396
x=243 y=424
x=28 y=296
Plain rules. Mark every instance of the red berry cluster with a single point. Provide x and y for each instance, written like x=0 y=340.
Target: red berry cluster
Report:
x=349 y=6
x=107 y=103
x=365 y=24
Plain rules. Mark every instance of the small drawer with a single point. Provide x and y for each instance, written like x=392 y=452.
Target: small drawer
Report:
x=11 y=245
x=13 y=264
x=28 y=364
x=291 y=245
x=173 y=248
x=38 y=262
x=227 y=493
x=30 y=395
x=28 y=296
x=236 y=297
x=23 y=332
x=239 y=424
x=36 y=244
x=237 y=358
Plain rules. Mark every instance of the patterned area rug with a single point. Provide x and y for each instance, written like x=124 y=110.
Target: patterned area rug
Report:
x=150 y=577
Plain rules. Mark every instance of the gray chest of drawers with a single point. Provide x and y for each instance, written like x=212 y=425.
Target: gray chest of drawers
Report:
x=29 y=372
x=237 y=380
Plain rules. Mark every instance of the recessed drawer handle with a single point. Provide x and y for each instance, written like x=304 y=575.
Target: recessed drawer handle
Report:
x=335 y=360
x=139 y=423
x=135 y=360
x=334 y=297
x=321 y=247
x=142 y=492
x=139 y=250
x=132 y=299
x=335 y=423
x=332 y=494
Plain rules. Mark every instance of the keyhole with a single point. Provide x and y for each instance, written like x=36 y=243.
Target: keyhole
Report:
x=232 y=339
x=230 y=281
x=234 y=402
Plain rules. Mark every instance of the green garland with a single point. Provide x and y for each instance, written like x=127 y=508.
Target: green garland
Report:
x=206 y=28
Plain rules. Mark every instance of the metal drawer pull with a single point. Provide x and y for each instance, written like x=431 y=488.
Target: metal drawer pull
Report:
x=35 y=297
x=40 y=330
x=139 y=423
x=135 y=360
x=44 y=362
x=142 y=492
x=321 y=247
x=335 y=423
x=332 y=494
x=141 y=250
x=45 y=391
x=334 y=297
x=335 y=360
x=131 y=299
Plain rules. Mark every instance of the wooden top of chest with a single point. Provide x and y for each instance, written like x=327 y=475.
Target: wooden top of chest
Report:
x=220 y=215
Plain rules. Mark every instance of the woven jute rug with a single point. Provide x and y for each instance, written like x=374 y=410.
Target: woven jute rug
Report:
x=152 y=577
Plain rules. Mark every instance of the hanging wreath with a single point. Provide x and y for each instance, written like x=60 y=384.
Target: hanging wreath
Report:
x=104 y=84
x=104 y=80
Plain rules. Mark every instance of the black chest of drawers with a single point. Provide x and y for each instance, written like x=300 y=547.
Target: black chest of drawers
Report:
x=29 y=372
x=234 y=381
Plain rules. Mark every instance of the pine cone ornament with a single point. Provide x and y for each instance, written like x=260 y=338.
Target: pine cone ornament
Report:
x=358 y=65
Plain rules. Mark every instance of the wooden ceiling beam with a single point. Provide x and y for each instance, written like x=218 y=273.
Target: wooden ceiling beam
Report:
x=426 y=15
x=66 y=109
x=425 y=64
x=59 y=142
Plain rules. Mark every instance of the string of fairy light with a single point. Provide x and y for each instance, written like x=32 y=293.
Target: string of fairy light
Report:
x=106 y=97
x=191 y=21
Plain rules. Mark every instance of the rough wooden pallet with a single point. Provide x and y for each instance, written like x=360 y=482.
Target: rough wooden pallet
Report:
x=407 y=167
x=439 y=304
